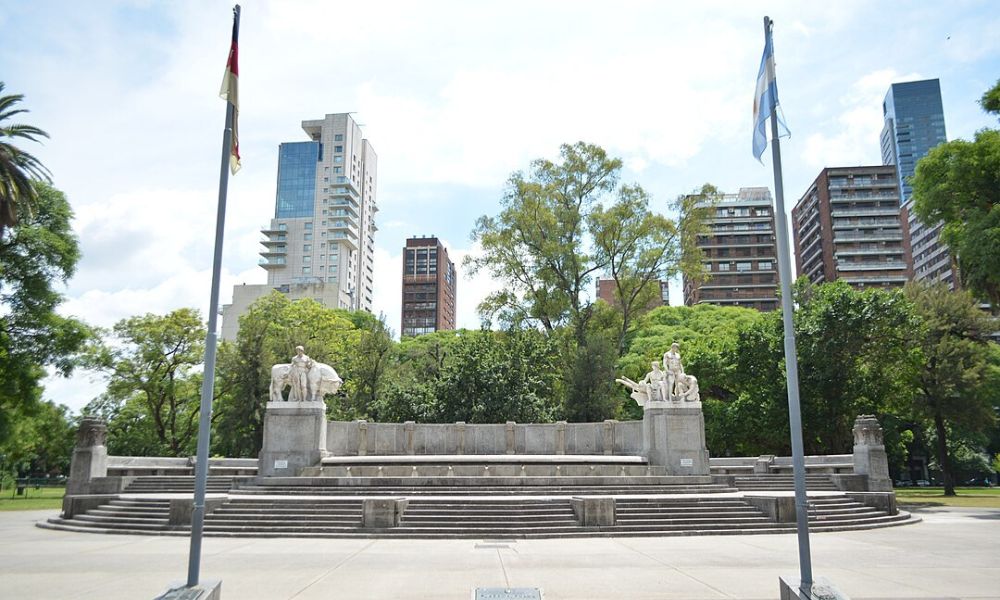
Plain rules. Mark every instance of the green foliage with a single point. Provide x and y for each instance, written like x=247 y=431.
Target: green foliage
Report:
x=474 y=376
x=561 y=225
x=36 y=255
x=19 y=170
x=153 y=397
x=955 y=387
x=958 y=183
x=991 y=99
x=41 y=442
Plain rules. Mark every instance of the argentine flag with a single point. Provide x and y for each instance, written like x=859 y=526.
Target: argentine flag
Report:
x=767 y=89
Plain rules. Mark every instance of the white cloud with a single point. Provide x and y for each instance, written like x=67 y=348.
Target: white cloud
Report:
x=853 y=137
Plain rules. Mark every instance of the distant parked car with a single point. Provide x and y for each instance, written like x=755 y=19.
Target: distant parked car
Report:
x=904 y=483
x=923 y=483
x=979 y=481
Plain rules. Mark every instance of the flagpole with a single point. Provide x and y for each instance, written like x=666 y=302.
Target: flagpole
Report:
x=211 y=338
x=791 y=357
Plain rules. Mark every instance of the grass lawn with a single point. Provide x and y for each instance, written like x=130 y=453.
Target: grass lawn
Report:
x=971 y=497
x=33 y=499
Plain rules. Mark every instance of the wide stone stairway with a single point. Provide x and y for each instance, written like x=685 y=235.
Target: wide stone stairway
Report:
x=469 y=499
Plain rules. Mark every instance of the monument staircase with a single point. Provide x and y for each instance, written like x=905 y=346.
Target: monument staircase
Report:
x=782 y=481
x=515 y=497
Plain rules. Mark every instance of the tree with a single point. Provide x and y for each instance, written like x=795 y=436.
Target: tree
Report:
x=42 y=442
x=641 y=247
x=153 y=381
x=493 y=377
x=956 y=384
x=18 y=169
x=553 y=235
x=36 y=255
x=958 y=183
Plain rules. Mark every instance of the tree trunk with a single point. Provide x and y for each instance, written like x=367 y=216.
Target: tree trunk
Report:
x=942 y=455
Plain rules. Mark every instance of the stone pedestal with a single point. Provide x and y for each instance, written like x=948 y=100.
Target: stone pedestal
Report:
x=673 y=436
x=294 y=437
x=90 y=456
x=869 y=454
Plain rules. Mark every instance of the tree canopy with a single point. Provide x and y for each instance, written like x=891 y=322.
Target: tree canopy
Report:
x=958 y=184
x=19 y=170
x=35 y=257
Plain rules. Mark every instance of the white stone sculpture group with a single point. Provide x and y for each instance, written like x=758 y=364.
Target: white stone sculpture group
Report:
x=309 y=380
x=669 y=384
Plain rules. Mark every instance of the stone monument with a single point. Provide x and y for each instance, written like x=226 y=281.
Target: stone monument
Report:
x=869 y=454
x=295 y=430
x=90 y=456
x=672 y=420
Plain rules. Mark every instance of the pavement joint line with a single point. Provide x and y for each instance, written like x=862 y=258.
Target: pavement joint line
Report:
x=678 y=570
x=503 y=568
x=323 y=575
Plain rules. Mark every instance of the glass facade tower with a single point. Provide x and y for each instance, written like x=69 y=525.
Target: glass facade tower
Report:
x=914 y=123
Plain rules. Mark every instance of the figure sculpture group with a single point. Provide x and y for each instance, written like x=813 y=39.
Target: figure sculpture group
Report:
x=666 y=384
x=309 y=380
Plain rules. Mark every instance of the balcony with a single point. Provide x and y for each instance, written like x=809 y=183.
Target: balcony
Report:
x=865 y=212
x=279 y=251
x=272 y=263
x=867 y=251
x=868 y=237
x=871 y=266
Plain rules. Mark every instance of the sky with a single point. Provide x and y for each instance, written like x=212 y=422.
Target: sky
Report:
x=454 y=97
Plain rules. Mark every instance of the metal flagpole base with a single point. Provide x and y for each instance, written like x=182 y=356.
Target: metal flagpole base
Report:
x=820 y=589
x=207 y=589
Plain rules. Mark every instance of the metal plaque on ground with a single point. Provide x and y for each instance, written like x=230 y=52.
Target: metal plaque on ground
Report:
x=507 y=594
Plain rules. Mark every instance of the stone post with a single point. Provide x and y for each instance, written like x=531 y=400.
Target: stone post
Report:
x=608 y=436
x=90 y=456
x=509 y=437
x=408 y=436
x=560 y=437
x=294 y=437
x=673 y=436
x=460 y=432
x=869 y=454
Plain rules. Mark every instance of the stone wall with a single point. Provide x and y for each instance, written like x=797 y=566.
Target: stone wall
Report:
x=361 y=438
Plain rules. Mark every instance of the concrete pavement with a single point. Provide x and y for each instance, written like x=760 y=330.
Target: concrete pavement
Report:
x=953 y=553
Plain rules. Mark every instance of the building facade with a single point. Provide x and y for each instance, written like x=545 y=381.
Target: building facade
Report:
x=847 y=226
x=320 y=242
x=740 y=254
x=430 y=287
x=914 y=123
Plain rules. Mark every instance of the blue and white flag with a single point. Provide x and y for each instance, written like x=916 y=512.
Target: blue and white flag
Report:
x=767 y=89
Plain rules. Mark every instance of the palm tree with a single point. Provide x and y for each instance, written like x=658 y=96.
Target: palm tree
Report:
x=17 y=167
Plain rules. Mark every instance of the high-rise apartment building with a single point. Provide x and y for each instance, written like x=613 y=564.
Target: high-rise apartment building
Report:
x=847 y=226
x=914 y=123
x=321 y=241
x=429 y=287
x=740 y=253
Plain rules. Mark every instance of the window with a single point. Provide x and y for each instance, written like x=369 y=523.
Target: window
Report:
x=341 y=179
x=282 y=226
x=333 y=268
x=744 y=266
x=307 y=247
x=332 y=279
x=307 y=237
x=307 y=259
x=338 y=170
x=306 y=270
x=308 y=225
x=723 y=266
x=338 y=148
x=764 y=265
x=338 y=137
x=338 y=159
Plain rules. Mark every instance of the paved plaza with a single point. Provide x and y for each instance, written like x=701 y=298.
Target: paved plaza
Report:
x=952 y=553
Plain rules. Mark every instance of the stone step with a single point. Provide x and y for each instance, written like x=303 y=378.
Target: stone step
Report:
x=123 y=520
